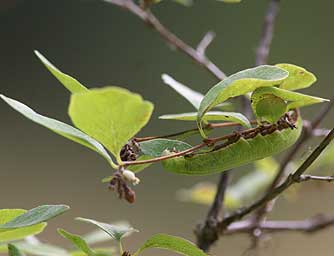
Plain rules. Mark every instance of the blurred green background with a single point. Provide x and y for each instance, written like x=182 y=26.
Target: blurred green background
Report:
x=102 y=45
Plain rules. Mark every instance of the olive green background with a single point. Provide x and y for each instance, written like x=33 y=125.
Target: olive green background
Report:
x=101 y=44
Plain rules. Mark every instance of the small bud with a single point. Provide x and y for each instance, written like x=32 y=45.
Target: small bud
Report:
x=130 y=177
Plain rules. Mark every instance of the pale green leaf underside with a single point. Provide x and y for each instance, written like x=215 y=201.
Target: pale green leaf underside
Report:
x=189 y=94
x=172 y=243
x=115 y=232
x=239 y=84
x=69 y=82
x=210 y=116
x=79 y=242
x=6 y=215
x=111 y=115
x=156 y=147
x=299 y=77
x=58 y=127
x=35 y=216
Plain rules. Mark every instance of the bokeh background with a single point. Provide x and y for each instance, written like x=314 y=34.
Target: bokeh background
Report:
x=102 y=45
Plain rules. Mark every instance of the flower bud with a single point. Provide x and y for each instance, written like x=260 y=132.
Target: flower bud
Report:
x=130 y=177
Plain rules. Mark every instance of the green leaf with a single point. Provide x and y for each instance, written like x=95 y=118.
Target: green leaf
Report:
x=58 y=127
x=35 y=216
x=299 y=77
x=14 y=251
x=241 y=152
x=41 y=249
x=172 y=243
x=269 y=107
x=69 y=82
x=6 y=215
x=115 y=232
x=294 y=99
x=211 y=116
x=238 y=84
x=78 y=242
x=111 y=115
x=156 y=147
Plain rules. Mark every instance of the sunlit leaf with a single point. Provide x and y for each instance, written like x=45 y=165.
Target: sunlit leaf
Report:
x=239 y=84
x=70 y=83
x=299 y=77
x=115 y=232
x=35 y=216
x=110 y=115
x=58 y=127
x=211 y=116
x=172 y=243
x=6 y=215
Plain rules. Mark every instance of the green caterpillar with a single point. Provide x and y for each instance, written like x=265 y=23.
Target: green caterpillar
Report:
x=251 y=146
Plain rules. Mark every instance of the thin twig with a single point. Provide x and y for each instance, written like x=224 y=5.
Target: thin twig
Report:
x=153 y=22
x=308 y=177
x=267 y=33
x=205 y=42
x=292 y=178
x=161 y=158
x=309 y=225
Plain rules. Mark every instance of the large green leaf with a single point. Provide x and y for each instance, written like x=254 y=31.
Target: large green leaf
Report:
x=69 y=82
x=299 y=77
x=58 y=127
x=110 y=115
x=6 y=215
x=115 y=232
x=78 y=241
x=156 y=147
x=35 y=216
x=14 y=251
x=211 y=116
x=171 y=243
x=239 y=84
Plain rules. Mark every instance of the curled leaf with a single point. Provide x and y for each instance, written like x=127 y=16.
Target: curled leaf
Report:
x=238 y=84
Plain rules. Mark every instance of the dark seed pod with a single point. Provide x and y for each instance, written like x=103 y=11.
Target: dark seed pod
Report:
x=129 y=194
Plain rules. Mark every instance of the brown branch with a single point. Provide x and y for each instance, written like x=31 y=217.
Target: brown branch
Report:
x=308 y=130
x=148 y=17
x=309 y=225
x=208 y=232
x=161 y=158
x=292 y=178
x=263 y=49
